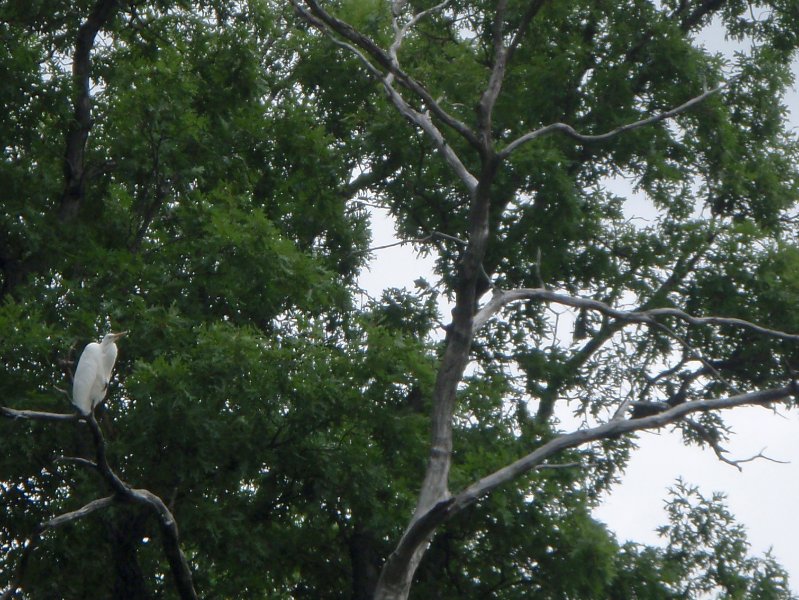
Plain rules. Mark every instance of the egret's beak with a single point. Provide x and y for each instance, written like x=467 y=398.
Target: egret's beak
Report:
x=119 y=335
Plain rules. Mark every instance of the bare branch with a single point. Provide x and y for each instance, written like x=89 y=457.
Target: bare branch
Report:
x=35 y=415
x=569 y=131
x=491 y=93
x=401 y=32
x=423 y=527
x=762 y=456
x=77 y=460
x=122 y=492
x=113 y=480
x=178 y=563
x=421 y=120
x=170 y=539
x=78 y=514
x=728 y=321
x=433 y=237
x=649 y=316
x=712 y=440
x=323 y=20
x=424 y=240
x=610 y=429
x=609 y=328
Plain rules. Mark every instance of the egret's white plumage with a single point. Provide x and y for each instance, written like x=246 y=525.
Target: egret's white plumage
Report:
x=93 y=374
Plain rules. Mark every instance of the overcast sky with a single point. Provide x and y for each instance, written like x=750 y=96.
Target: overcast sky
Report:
x=764 y=496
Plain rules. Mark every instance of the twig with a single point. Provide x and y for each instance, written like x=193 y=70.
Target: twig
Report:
x=434 y=236
x=77 y=460
x=760 y=455
x=720 y=451
x=63 y=391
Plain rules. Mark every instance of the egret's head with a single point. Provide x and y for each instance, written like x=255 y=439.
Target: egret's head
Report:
x=110 y=338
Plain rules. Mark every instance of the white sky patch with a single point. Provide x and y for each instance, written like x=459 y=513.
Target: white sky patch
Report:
x=394 y=267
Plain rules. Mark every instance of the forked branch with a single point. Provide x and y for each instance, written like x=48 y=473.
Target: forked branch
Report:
x=424 y=527
x=421 y=119
x=648 y=317
x=319 y=17
x=401 y=31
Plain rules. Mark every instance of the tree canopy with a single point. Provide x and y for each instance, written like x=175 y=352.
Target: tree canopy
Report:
x=200 y=173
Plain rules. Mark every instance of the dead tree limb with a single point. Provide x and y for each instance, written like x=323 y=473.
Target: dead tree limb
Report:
x=122 y=492
x=650 y=316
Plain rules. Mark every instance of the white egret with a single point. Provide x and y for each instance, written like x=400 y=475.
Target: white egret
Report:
x=93 y=374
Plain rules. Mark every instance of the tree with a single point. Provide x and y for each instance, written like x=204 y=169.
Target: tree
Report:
x=522 y=164
x=706 y=554
x=196 y=173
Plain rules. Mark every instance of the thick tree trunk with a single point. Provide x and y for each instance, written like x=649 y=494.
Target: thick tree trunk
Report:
x=397 y=574
x=78 y=132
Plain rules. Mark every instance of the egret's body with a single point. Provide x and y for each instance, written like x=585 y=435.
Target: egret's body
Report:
x=90 y=384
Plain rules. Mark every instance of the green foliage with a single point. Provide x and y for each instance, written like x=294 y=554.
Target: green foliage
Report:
x=284 y=419
x=707 y=552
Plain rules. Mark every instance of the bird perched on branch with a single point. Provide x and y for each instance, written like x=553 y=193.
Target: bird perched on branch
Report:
x=90 y=384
